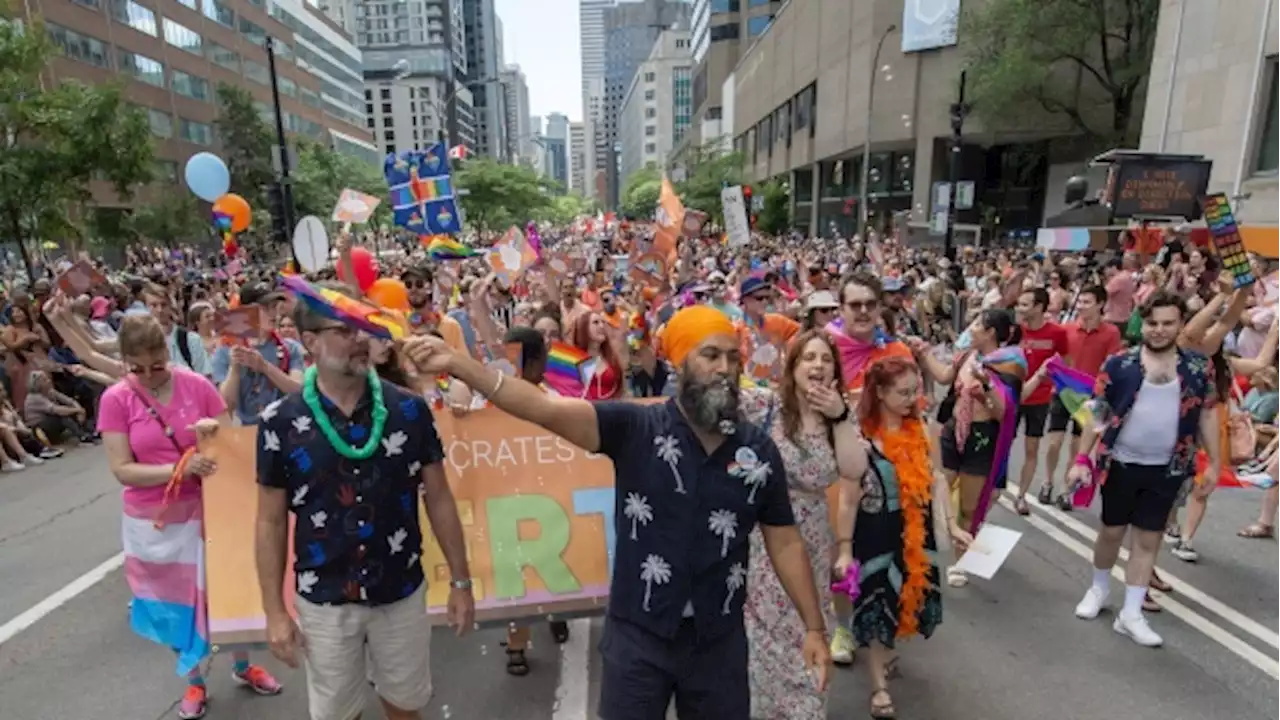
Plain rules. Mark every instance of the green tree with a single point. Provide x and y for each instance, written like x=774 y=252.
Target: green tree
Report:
x=247 y=141
x=564 y=209
x=639 y=198
x=708 y=171
x=775 y=214
x=55 y=138
x=173 y=218
x=323 y=173
x=1033 y=63
x=499 y=195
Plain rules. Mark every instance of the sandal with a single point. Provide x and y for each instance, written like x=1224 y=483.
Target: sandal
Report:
x=891 y=670
x=1150 y=605
x=956 y=577
x=1157 y=583
x=560 y=631
x=1022 y=507
x=884 y=710
x=516 y=663
x=1257 y=531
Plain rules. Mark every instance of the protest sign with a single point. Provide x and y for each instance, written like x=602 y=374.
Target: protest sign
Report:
x=1226 y=238
x=245 y=322
x=80 y=278
x=355 y=207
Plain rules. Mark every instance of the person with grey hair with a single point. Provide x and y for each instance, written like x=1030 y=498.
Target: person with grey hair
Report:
x=53 y=413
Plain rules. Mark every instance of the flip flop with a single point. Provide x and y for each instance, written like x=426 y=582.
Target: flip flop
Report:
x=1257 y=531
x=882 y=711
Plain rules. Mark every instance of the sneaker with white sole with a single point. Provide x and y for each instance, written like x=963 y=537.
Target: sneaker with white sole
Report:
x=1092 y=603
x=32 y=460
x=1184 y=552
x=1136 y=627
x=842 y=646
x=12 y=466
x=50 y=453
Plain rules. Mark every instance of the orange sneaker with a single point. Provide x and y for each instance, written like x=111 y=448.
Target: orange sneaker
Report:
x=258 y=679
x=194 y=703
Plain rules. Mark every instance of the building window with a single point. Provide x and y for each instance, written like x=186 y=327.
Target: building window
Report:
x=222 y=57
x=728 y=31
x=88 y=3
x=142 y=68
x=196 y=88
x=287 y=86
x=189 y=3
x=253 y=32
x=1268 y=143
x=648 y=94
x=389 y=136
x=757 y=25
x=386 y=121
x=180 y=36
x=138 y=17
x=386 y=108
x=161 y=123
x=650 y=77
x=219 y=13
x=391 y=149
x=166 y=170
x=757 y=3
x=722 y=6
x=650 y=131
x=650 y=148
x=385 y=93
x=195 y=132
x=257 y=72
x=650 y=113
x=80 y=47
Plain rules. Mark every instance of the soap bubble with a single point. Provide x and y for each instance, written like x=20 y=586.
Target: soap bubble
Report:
x=446 y=712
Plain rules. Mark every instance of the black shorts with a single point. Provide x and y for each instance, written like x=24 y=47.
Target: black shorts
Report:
x=979 y=448
x=1059 y=419
x=1034 y=416
x=642 y=672
x=1139 y=495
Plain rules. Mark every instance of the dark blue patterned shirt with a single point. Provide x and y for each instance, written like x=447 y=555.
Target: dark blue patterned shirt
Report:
x=683 y=518
x=356 y=538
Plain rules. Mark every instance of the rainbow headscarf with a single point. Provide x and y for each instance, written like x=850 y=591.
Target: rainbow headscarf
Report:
x=347 y=310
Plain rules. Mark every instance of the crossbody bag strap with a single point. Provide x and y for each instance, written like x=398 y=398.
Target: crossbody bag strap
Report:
x=154 y=412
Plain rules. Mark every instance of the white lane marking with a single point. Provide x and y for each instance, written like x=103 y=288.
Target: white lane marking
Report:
x=1182 y=587
x=1268 y=665
x=572 y=687
x=60 y=598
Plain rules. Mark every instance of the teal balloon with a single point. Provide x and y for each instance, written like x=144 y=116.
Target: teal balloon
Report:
x=207 y=176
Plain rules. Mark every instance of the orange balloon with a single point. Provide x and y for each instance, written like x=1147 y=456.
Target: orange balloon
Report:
x=236 y=208
x=389 y=293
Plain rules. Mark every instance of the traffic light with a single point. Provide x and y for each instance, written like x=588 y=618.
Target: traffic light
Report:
x=278 y=204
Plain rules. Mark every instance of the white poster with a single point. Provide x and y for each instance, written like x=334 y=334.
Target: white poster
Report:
x=736 y=225
x=929 y=24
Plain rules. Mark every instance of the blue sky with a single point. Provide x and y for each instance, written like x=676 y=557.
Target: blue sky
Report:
x=542 y=38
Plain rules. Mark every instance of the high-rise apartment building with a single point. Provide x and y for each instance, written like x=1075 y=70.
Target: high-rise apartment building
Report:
x=173 y=55
x=723 y=31
x=519 y=134
x=578 y=158
x=631 y=29
x=591 y=28
x=482 y=77
x=658 y=105
x=556 y=140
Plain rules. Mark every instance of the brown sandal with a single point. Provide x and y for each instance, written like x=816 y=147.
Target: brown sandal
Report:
x=882 y=711
x=1159 y=584
x=1257 y=531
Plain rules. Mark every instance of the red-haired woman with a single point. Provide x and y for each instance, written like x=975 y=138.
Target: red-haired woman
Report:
x=885 y=521
x=605 y=375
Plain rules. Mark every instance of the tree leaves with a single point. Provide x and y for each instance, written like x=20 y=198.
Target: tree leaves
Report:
x=775 y=215
x=173 y=218
x=499 y=195
x=247 y=141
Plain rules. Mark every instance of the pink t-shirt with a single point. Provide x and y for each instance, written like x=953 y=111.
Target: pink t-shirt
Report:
x=121 y=410
x=1120 y=290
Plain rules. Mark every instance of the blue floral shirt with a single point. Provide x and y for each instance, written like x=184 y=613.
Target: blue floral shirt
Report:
x=1118 y=384
x=356 y=538
x=683 y=517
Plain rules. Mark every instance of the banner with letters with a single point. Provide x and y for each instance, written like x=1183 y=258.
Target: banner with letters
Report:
x=537 y=514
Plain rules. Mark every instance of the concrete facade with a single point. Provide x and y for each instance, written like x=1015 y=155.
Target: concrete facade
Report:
x=577 y=158
x=722 y=30
x=481 y=28
x=657 y=109
x=519 y=134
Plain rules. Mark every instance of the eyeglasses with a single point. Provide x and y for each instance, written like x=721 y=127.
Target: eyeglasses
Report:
x=149 y=370
x=862 y=305
x=415 y=284
x=345 y=332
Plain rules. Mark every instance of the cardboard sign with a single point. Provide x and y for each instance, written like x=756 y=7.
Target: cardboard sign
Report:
x=511 y=256
x=355 y=207
x=649 y=269
x=80 y=278
x=245 y=322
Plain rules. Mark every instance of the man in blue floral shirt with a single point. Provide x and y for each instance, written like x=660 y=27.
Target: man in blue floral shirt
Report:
x=1155 y=395
x=692 y=481
x=348 y=456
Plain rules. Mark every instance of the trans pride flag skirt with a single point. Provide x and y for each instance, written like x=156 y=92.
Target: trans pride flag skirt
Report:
x=164 y=565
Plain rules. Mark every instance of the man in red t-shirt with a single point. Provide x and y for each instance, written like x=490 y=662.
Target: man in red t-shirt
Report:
x=1090 y=341
x=1041 y=340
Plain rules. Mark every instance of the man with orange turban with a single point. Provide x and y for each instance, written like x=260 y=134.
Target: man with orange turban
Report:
x=696 y=481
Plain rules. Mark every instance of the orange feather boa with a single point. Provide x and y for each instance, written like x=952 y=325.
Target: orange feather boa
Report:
x=908 y=449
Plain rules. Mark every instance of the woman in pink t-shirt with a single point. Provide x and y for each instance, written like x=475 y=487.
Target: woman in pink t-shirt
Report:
x=149 y=420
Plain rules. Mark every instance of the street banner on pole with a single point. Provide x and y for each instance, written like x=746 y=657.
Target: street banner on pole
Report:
x=736 y=225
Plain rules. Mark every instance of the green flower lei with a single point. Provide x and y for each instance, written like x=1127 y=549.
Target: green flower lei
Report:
x=312 y=397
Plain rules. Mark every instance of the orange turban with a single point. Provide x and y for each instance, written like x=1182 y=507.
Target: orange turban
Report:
x=689 y=328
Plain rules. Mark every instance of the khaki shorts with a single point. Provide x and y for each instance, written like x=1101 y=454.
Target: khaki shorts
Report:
x=398 y=648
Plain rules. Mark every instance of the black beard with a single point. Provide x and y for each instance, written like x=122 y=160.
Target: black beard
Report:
x=711 y=406
x=1160 y=349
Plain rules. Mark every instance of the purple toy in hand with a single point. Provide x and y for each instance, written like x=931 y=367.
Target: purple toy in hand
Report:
x=849 y=585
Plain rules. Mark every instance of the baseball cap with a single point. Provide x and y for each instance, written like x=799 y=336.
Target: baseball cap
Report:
x=892 y=285
x=821 y=300
x=259 y=293
x=752 y=285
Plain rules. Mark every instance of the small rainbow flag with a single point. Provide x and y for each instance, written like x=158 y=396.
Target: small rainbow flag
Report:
x=349 y=311
x=443 y=247
x=564 y=369
x=1074 y=388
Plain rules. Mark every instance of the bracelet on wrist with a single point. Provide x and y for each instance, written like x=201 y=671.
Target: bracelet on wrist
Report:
x=844 y=415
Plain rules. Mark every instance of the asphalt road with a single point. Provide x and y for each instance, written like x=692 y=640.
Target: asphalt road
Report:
x=1009 y=648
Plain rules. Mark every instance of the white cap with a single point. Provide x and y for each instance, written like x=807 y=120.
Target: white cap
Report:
x=821 y=300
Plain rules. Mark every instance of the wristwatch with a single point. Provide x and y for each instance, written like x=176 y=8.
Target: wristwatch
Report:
x=460 y=584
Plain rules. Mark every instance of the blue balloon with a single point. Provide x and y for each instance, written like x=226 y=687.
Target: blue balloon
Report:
x=207 y=176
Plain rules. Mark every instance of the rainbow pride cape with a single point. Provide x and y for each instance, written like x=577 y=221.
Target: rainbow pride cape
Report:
x=564 y=369
x=1074 y=388
x=1011 y=362
x=349 y=311
x=443 y=247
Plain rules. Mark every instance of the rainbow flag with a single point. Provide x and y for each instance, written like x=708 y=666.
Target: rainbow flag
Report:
x=349 y=311
x=564 y=369
x=443 y=247
x=1074 y=388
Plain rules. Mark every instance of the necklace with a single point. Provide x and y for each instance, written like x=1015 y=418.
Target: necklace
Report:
x=312 y=397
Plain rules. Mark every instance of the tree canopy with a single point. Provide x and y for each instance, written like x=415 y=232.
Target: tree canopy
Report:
x=173 y=218
x=710 y=169
x=1081 y=61
x=247 y=141
x=499 y=195
x=56 y=137
x=321 y=176
x=775 y=214
x=640 y=195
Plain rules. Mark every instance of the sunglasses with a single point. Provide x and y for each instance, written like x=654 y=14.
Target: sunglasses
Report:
x=862 y=305
x=415 y=284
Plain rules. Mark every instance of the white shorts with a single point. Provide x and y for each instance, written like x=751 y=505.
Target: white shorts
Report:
x=398 y=651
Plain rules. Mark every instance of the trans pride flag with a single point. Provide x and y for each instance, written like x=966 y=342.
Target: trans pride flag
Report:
x=422 y=197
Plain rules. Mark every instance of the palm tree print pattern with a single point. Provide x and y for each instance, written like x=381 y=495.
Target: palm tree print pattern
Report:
x=725 y=524
x=668 y=449
x=638 y=510
x=737 y=578
x=653 y=570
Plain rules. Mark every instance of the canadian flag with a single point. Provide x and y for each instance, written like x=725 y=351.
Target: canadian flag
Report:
x=459 y=152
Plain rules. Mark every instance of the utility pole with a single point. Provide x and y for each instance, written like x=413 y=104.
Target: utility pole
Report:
x=958 y=112
x=282 y=216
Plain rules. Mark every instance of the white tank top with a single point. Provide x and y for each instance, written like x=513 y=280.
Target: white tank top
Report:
x=1150 y=431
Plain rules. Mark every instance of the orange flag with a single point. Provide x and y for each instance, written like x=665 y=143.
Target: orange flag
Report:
x=670 y=218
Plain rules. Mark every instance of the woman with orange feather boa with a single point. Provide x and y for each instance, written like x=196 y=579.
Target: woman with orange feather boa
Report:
x=885 y=521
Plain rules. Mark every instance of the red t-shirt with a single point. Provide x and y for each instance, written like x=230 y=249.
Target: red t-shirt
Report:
x=1039 y=346
x=1089 y=348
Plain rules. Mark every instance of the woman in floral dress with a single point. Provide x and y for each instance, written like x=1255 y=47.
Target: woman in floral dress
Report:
x=808 y=420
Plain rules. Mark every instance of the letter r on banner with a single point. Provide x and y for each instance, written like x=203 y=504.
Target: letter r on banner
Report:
x=511 y=553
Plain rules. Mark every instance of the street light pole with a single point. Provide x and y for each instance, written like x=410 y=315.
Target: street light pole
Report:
x=866 y=144
x=958 y=112
x=286 y=191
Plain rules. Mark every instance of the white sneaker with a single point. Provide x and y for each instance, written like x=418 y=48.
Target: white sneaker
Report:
x=1184 y=552
x=1136 y=627
x=12 y=466
x=51 y=452
x=1092 y=603
x=842 y=646
x=32 y=460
